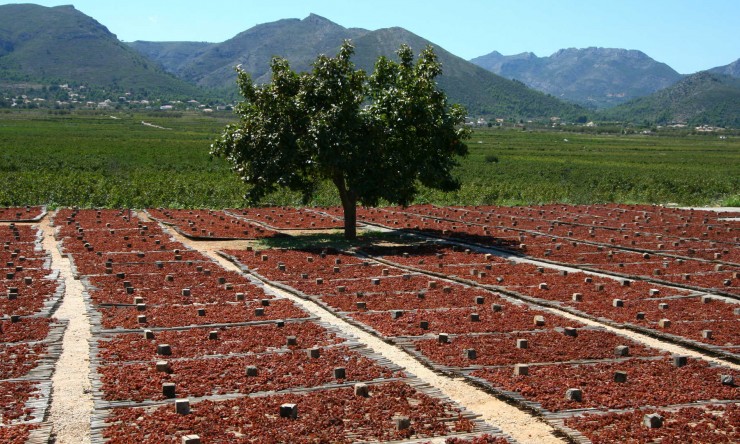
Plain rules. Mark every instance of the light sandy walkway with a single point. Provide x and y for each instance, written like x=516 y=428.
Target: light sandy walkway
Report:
x=71 y=401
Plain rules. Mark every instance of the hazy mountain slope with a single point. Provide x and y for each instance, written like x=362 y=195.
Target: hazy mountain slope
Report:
x=479 y=90
x=171 y=55
x=300 y=41
x=702 y=98
x=61 y=44
x=733 y=69
x=597 y=77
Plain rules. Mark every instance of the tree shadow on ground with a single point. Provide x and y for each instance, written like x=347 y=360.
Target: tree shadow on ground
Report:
x=336 y=241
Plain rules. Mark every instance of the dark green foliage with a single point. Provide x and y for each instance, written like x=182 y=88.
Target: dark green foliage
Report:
x=375 y=138
x=92 y=160
x=701 y=99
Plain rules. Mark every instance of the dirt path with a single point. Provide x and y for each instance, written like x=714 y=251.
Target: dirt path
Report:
x=71 y=401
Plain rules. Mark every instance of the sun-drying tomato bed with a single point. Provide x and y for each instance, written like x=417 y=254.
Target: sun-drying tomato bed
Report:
x=13 y=398
x=17 y=434
x=459 y=321
x=546 y=346
x=179 y=316
x=649 y=382
x=706 y=424
x=210 y=224
x=18 y=359
x=337 y=416
x=221 y=375
x=285 y=218
x=17 y=214
x=457 y=297
x=196 y=342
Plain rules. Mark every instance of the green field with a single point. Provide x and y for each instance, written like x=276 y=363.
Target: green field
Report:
x=94 y=160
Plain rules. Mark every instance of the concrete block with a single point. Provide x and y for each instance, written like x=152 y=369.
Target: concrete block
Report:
x=252 y=370
x=679 y=361
x=340 y=373
x=664 y=323
x=443 y=338
x=574 y=394
x=617 y=303
x=168 y=390
x=522 y=343
x=620 y=376
x=402 y=422
x=289 y=411
x=164 y=349
x=652 y=421
x=577 y=297
x=362 y=390
x=570 y=331
x=474 y=317
x=470 y=353
x=622 y=350
x=190 y=439
x=521 y=370
x=539 y=321
x=727 y=380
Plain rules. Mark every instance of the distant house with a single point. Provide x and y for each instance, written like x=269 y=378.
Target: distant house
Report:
x=166 y=107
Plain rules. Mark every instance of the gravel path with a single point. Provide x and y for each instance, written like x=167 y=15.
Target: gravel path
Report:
x=71 y=398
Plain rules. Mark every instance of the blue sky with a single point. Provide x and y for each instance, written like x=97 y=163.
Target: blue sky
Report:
x=688 y=35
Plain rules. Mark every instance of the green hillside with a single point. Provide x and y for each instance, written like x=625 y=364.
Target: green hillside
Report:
x=62 y=45
x=701 y=99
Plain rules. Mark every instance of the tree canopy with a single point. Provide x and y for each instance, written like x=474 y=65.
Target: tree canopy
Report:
x=375 y=137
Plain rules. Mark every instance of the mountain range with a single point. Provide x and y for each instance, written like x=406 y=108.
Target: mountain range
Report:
x=41 y=46
x=594 y=77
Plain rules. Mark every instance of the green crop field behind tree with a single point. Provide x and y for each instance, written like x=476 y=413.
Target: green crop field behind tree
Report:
x=93 y=160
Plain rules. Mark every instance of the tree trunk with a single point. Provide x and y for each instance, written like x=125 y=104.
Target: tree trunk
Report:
x=349 y=204
x=350 y=220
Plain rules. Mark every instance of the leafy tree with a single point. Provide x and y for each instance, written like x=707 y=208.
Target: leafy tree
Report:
x=374 y=137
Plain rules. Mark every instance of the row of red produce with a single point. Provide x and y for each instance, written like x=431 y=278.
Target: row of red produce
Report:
x=530 y=354
x=29 y=293
x=716 y=259
x=194 y=330
x=633 y=302
x=598 y=221
x=210 y=224
x=21 y=214
x=287 y=218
